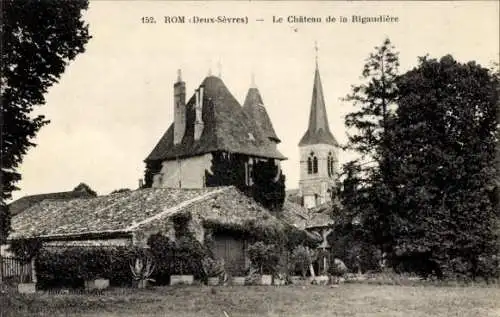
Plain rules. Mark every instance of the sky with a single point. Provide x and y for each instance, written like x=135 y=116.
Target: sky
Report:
x=114 y=102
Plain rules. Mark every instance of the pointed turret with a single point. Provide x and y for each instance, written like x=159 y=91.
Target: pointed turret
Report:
x=318 y=131
x=253 y=97
x=254 y=107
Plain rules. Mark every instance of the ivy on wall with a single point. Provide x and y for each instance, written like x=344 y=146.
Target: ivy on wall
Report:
x=266 y=188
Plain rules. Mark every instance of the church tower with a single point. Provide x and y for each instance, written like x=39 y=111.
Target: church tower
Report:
x=318 y=151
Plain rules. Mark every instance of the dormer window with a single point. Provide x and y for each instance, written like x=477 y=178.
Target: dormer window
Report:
x=312 y=164
x=330 y=165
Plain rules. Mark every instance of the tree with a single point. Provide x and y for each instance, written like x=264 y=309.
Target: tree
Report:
x=367 y=189
x=39 y=38
x=121 y=190
x=444 y=142
x=82 y=187
x=375 y=100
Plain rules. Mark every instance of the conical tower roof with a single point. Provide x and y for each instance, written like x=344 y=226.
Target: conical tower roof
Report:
x=254 y=107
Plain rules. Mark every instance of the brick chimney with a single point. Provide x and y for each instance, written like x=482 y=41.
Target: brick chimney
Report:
x=179 y=109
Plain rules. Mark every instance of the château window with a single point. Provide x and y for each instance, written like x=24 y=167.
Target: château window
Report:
x=309 y=165
x=330 y=165
x=312 y=164
x=249 y=173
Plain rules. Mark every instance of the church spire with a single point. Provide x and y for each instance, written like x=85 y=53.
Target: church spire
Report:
x=318 y=131
x=316 y=49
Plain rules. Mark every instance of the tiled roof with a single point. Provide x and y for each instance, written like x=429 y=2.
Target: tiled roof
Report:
x=226 y=128
x=25 y=202
x=319 y=219
x=320 y=216
x=307 y=218
x=104 y=213
x=145 y=210
x=318 y=131
x=295 y=214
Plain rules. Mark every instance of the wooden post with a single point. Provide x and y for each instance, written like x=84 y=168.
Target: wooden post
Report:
x=325 y=269
x=311 y=269
x=33 y=271
x=1 y=268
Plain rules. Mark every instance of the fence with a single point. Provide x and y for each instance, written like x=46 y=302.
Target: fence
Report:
x=13 y=268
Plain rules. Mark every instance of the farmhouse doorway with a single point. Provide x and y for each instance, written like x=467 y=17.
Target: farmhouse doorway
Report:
x=232 y=251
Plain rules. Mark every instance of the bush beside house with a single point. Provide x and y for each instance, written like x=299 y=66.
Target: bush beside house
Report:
x=72 y=266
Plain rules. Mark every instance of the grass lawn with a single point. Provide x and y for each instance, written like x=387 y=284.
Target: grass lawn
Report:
x=318 y=301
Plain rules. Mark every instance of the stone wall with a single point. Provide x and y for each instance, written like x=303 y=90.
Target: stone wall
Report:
x=183 y=173
x=313 y=187
x=90 y=242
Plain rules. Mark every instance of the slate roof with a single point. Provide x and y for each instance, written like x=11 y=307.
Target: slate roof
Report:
x=318 y=131
x=254 y=107
x=144 y=210
x=25 y=202
x=226 y=128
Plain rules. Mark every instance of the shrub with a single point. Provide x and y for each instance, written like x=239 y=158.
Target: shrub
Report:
x=183 y=256
x=162 y=249
x=296 y=237
x=181 y=224
x=349 y=244
x=188 y=254
x=213 y=267
x=71 y=266
x=302 y=258
x=25 y=250
x=338 y=268
x=265 y=257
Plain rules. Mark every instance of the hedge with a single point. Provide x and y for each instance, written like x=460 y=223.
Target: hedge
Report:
x=71 y=266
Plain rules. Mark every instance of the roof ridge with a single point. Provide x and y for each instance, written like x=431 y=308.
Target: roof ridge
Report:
x=176 y=208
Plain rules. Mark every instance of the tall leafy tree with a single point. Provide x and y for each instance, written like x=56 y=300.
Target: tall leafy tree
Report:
x=444 y=141
x=368 y=180
x=375 y=99
x=39 y=38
